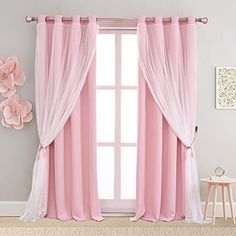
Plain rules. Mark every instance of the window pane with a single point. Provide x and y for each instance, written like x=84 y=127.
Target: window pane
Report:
x=129 y=116
x=105 y=53
x=128 y=172
x=105 y=115
x=129 y=59
x=105 y=172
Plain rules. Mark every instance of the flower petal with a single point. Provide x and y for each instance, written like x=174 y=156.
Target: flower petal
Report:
x=20 y=126
x=13 y=120
x=3 y=104
x=9 y=92
x=13 y=103
x=4 y=123
x=28 y=117
x=22 y=111
x=8 y=67
x=2 y=61
x=7 y=83
x=7 y=112
x=13 y=58
x=19 y=76
x=27 y=105
x=16 y=98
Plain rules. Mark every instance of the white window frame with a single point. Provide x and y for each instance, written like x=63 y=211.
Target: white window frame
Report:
x=117 y=204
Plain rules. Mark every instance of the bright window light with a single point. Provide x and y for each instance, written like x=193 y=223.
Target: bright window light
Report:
x=129 y=116
x=117 y=72
x=128 y=172
x=105 y=59
x=105 y=169
x=129 y=59
x=105 y=115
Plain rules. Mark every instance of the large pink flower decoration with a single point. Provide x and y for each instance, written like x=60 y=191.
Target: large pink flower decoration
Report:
x=10 y=75
x=15 y=112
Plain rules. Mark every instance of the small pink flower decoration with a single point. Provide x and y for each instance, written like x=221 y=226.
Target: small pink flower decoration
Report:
x=10 y=75
x=15 y=112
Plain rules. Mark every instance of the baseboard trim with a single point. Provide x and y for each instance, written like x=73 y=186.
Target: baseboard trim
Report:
x=12 y=208
x=16 y=208
x=219 y=209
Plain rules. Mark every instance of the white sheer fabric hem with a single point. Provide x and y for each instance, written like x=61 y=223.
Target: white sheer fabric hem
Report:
x=35 y=206
x=193 y=206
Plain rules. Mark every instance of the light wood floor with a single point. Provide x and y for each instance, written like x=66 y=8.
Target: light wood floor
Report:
x=112 y=226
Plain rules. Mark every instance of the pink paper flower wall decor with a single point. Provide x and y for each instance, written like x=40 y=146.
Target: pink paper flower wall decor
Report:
x=15 y=111
x=10 y=75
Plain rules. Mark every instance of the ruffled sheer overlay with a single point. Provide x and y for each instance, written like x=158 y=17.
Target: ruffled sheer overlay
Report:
x=64 y=53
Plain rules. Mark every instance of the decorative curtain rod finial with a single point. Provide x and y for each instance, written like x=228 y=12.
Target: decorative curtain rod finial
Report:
x=28 y=19
x=204 y=20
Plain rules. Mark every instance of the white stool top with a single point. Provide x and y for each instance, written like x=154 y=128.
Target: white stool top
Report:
x=219 y=181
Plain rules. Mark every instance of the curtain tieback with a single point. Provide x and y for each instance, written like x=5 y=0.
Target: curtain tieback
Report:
x=190 y=147
x=41 y=151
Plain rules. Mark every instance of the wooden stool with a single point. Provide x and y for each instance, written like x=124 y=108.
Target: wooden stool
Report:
x=224 y=184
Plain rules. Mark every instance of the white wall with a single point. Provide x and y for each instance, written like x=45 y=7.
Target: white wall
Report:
x=216 y=47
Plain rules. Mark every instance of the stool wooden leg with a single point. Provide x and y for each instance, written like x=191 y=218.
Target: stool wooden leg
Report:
x=207 y=201
x=231 y=202
x=214 y=205
x=223 y=201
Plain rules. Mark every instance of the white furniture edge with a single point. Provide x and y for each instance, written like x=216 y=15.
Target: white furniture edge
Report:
x=16 y=208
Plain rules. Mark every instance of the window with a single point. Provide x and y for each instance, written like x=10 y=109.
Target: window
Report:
x=117 y=68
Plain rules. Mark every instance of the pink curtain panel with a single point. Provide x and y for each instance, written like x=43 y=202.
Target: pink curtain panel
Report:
x=72 y=161
x=64 y=53
x=167 y=60
x=160 y=170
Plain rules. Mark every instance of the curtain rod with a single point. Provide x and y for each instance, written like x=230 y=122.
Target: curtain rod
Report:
x=203 y=20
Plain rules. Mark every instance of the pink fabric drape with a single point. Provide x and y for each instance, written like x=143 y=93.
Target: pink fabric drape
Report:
x=160 y=170
x=72 y=161
x=64 y=53
x=167 y=58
